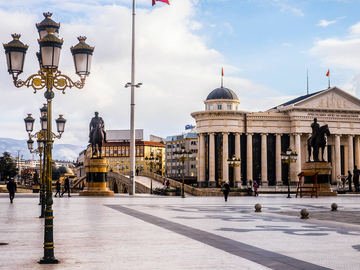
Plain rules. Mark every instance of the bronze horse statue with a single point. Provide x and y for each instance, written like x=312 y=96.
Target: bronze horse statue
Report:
x=97 y=140
x=319 y=141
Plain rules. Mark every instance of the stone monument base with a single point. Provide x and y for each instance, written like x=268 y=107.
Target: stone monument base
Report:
x=96 y=185
x=96 y=189
x=323 y=179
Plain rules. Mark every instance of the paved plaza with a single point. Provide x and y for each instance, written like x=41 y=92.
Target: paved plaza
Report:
x=158 y=232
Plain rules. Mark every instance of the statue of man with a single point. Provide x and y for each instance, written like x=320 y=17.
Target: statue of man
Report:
x=315 y=128
x=95 y=122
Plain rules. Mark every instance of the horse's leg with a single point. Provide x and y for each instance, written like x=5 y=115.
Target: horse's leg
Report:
x=309 y=148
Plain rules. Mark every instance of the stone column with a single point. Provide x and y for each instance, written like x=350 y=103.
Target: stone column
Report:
x=225 y=156
x=201 y=178
x=357 y=151
x=333 y=162
x=212 y=157
x=337 y=157
x=326 y=153
x=351 y=153
x=264 y=178
x=249 y=158
x=238 y=155
x=298 y=151
x=278 y=159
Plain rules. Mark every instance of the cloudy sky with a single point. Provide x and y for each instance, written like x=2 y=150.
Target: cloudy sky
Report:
x=265 y=47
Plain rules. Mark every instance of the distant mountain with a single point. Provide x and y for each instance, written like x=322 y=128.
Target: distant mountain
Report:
x=67 y=152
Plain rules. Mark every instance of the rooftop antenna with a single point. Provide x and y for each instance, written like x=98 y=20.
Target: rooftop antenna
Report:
x=222 y=77
x=307 y=81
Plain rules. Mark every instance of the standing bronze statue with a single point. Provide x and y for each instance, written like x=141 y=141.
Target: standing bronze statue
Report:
x=97 y=134
x=317 y=140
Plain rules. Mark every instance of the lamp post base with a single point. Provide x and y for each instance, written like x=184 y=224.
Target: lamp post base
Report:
x=52 y=260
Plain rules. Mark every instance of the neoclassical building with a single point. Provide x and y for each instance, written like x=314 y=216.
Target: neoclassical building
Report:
x=258 y=138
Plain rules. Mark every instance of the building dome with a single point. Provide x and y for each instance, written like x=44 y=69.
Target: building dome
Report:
x=222 y=93
x=64 y=170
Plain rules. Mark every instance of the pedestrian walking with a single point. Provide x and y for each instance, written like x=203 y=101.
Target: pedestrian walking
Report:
x=164 y=184
x=226 y=190
x=11 y=187
x=256 y=185
x=349 y=180
x=167 y=184
x=356 y=179
x=66 y=187
x=137 y=172
x=58 y=188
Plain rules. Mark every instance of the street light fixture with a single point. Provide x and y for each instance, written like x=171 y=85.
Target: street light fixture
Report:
x=48 y=77
x=182 y=156
x=153 y=162
x=234 y=162
x=289 y=157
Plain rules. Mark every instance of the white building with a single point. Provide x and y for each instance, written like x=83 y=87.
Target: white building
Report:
x=258 y=138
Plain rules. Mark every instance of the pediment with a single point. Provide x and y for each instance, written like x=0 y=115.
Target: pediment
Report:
x=333 y=98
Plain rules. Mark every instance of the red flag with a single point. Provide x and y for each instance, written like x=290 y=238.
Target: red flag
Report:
x=328 y=73
x=165 y=1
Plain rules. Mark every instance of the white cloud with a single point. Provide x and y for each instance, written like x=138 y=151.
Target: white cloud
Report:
x=286 y=45
x=175 y=65
x=342 y=54
x=284 y=7
x=324 y=23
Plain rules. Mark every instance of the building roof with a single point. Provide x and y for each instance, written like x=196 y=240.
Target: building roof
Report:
x=181 y=137
x=137 y=143
x=295 y=100
x=222 y=93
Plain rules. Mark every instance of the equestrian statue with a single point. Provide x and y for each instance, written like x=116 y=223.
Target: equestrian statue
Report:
x=317 y=140
x=97 y=135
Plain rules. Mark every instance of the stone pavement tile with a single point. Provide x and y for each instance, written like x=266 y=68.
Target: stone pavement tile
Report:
x=90 y=235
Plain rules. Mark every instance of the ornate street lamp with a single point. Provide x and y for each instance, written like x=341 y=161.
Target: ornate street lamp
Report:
x=289 y=157
x=182 y=156
x=234 y=162
x=153 y=162
x=48 y=77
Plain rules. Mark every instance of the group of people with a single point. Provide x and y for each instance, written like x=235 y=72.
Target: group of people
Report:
x=226 y=189
x=66 y=187
x=166 y=184
x=356 y=179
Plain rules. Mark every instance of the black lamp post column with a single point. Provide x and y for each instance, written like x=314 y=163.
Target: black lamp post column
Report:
x=183 y=156
x=289 y=157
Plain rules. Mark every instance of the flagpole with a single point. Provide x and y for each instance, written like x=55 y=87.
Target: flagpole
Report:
x=329 y=78
x=132 y=112
x=222 y=77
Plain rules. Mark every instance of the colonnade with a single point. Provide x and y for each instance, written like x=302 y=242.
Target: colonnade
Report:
x=298 y=143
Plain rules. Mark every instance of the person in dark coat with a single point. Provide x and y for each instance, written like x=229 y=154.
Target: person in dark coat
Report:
x=256 y=185
x=167 y=184
x=349 y=180
x=58 y=188
x=137 y=172
x=11 y=187
x=66 y=187
x=226 y=190
x=356 y=179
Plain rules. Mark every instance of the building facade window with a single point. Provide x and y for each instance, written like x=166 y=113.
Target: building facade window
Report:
x=229 y=107
x=219 y=107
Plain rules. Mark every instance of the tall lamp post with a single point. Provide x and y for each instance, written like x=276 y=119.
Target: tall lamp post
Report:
x=153 y=162
x=48 y=77
x=39 y=150
x=289 y=157
x=182 y=155
x=234 y=162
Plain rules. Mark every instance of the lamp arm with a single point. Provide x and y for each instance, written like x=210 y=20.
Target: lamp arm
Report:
x=36 y=81
x=61 y=82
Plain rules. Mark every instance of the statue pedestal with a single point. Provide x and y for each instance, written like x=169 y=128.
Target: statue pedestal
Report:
x=96 y=184
x=323 y=179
